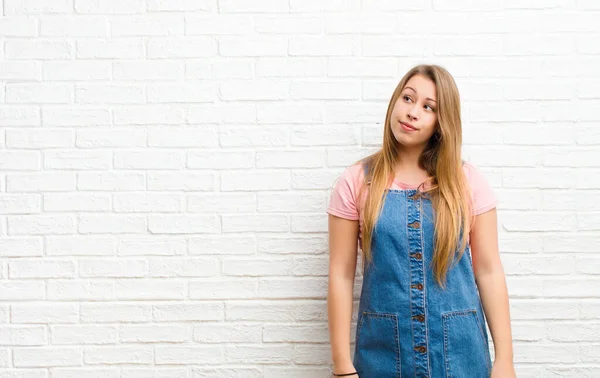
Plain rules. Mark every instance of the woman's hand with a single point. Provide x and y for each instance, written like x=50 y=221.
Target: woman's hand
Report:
x=503 y=369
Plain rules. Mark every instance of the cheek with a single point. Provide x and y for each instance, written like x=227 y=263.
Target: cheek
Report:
x=399 y=106
x=431 y=127
x=432 y=122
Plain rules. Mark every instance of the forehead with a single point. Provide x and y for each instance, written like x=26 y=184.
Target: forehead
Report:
x=422 y=85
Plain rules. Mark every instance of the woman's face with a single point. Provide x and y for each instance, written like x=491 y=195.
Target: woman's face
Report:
x=414 y=116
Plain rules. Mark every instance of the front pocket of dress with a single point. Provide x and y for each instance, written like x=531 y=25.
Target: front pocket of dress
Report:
x=377 y=346
x=465 y=352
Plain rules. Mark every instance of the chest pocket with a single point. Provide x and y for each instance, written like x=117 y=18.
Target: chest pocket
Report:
x=465 y=349
x=377 y=351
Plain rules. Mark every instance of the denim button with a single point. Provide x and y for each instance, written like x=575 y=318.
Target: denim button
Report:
x=417 y=255
x=415 y=224
x=420 y=318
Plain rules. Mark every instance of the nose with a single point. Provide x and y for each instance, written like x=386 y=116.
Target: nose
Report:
x=413 y=113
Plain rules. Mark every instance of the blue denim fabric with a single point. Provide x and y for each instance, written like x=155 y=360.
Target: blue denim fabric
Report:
x=407 y=325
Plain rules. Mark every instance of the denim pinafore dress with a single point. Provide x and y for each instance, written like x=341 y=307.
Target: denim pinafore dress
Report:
x=407 y=325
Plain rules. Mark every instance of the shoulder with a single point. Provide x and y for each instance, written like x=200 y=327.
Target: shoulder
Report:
x=343 y=202
x=470 y=169
x=357 y=170
x=482 y=193
x=353 y=175
x=473 y=174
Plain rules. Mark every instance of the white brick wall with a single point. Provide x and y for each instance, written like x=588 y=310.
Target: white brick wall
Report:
x=165 y=168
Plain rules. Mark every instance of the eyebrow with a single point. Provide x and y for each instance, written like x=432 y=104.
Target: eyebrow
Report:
x=416 y=92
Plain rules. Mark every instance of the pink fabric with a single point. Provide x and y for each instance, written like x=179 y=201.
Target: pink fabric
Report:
x=344 y=202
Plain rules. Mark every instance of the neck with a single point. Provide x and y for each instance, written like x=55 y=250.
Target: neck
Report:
x=408 y=158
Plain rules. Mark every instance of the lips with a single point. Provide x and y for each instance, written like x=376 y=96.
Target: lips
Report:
x=408 y=126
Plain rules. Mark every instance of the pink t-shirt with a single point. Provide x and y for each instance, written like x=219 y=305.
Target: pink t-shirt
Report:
x=344 y=201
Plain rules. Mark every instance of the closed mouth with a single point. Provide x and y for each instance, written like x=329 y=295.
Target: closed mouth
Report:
x=408 y=125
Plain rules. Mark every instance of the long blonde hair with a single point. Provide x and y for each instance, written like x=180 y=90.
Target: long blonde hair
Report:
x=441 y=158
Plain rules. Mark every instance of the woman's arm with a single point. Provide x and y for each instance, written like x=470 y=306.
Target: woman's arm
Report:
x=343 y=240
x=491 y=282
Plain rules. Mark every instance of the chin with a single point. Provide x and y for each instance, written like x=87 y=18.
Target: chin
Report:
x=404 y=141
x=407 y=141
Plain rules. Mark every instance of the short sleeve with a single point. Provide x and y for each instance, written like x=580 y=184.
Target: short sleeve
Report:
x=484 y=198
x=343 y=197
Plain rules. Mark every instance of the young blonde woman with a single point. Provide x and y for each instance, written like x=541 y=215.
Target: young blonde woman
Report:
x=426 y=224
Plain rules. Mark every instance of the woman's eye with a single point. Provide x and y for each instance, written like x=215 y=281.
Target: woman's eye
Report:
x=407 y=98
